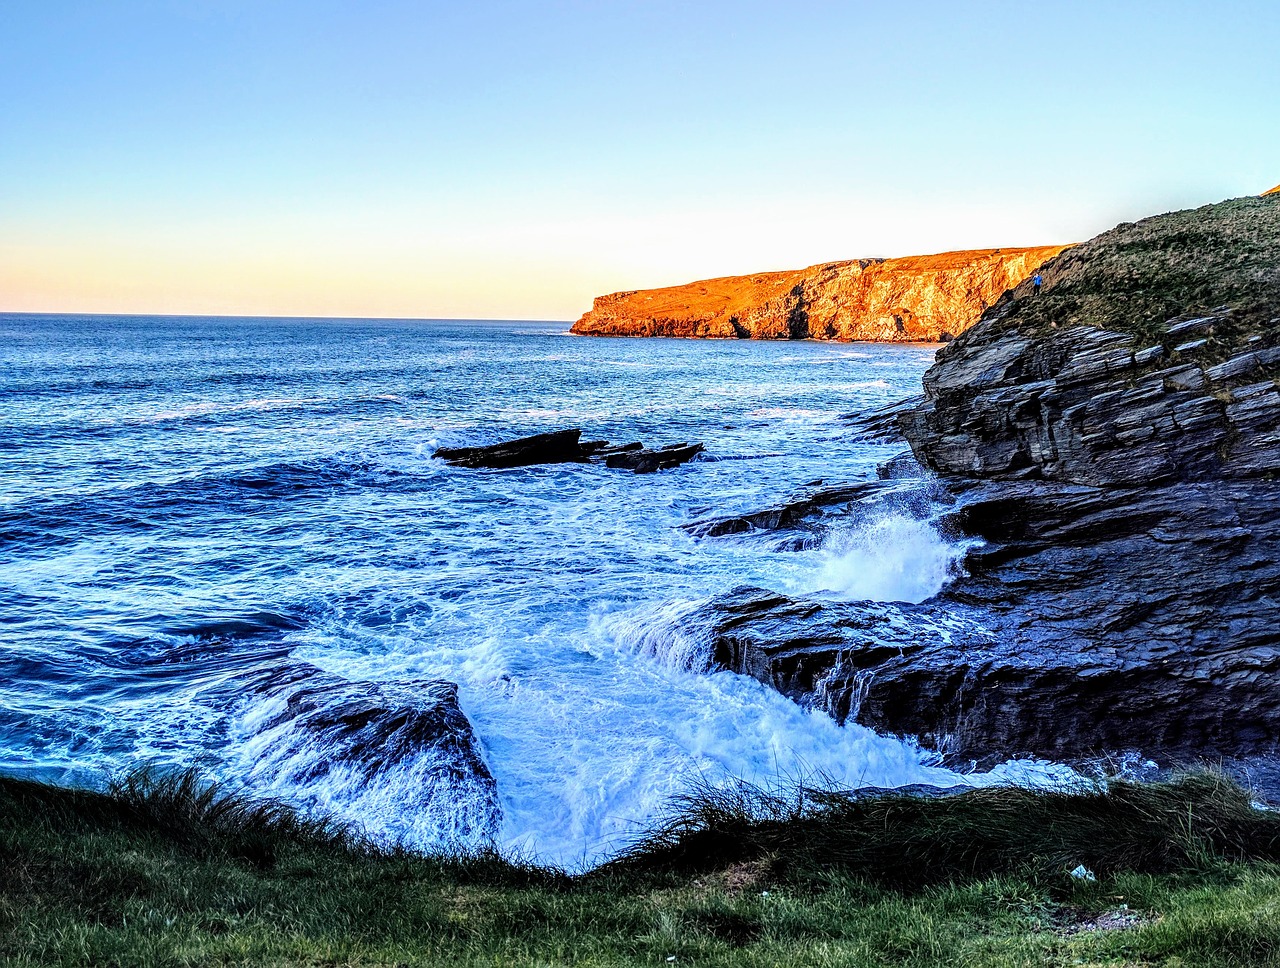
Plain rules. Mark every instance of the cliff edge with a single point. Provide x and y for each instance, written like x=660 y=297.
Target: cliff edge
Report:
x=928 y=299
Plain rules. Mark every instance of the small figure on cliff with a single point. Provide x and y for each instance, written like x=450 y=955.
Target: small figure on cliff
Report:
x=1035 y=285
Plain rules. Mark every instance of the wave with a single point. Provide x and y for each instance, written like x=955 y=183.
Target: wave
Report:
x=716 y=459
x=889 y=557
x=53 y=520
x=663 y=632
x=120 y=422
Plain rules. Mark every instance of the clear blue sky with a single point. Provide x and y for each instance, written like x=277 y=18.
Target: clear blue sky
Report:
x=515 y=159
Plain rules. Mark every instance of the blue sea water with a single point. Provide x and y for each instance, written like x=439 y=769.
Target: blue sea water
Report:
x=181 y=496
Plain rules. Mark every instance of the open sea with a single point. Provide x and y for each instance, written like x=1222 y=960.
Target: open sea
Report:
x=182 y=499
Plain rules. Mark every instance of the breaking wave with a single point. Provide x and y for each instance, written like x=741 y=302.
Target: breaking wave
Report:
x=892 y=557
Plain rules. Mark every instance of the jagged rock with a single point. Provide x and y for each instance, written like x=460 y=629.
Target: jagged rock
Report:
x=1084 y=625
x=309 y=726
x=372 y=726
x=811 y=511
x=1079 y=407
x=1128 y=591
x=915 y=299
x=880 y=426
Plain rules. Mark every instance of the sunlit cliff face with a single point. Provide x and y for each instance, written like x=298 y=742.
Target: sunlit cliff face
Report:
x=911 y=299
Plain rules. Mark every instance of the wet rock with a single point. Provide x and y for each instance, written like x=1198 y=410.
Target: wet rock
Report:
x=1029 y=654
x=1127 y=593
x=880 y=426
x=566 y=447
x=608 y=450
x=647 y=461
x=789 y=514
x=901 y=487
x=372 y=726
x=311 y=729
x=558 y=447
x=901 y=467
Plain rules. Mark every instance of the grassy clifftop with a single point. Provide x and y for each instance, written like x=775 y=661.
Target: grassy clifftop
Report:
x=165 y=871
x=1139 y=275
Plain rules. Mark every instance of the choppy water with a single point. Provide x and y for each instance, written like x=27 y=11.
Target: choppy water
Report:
x=182 y=497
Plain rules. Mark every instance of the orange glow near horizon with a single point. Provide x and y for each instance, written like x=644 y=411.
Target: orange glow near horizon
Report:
x=530 y=265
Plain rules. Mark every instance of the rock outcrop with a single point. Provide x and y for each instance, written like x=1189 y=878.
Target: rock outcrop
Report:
x=1122 y=478
x=567 y=447
x=322 y=736
x=557 y=447
x=915 y=299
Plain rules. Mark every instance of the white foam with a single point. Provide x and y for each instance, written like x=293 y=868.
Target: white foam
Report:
x=662 y=632
x=888 y=558
x=592 y=723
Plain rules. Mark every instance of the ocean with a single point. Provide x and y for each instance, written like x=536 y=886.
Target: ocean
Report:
x=183 y=499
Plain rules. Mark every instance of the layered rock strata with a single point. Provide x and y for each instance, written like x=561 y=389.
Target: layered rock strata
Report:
x=1127 y=591
x=915 y=299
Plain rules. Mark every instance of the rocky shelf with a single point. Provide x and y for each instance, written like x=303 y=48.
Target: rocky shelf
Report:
x=1126 y=593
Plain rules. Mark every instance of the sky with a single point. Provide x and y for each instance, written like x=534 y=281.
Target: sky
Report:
x=512 y=160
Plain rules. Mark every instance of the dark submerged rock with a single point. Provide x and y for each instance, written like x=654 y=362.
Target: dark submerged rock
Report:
x=647 y=461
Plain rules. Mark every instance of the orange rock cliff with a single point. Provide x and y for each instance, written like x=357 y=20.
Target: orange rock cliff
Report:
x=925 y=299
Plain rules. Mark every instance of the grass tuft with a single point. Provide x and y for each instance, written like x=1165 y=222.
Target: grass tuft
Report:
x=905 y=841
x=207 y=819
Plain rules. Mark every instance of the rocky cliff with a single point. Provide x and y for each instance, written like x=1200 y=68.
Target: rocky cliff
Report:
x=916 y=299
x=1115 y=443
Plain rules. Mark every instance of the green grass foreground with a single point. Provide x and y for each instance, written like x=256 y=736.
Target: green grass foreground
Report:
x=163 y=870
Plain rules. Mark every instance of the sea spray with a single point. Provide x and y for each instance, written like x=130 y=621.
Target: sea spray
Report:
x=891 y=557
x=663 y=632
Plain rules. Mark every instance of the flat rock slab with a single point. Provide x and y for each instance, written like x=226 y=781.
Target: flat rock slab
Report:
x=559 y=447
x=567 y=447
